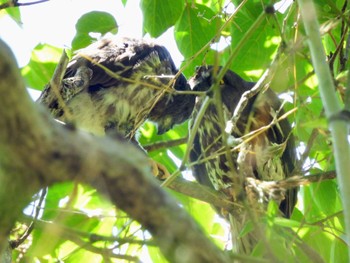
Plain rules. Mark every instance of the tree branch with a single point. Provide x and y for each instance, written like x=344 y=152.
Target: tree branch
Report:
x=36 y=152
x=14 y=3
x=164 y=144
x=270 y=188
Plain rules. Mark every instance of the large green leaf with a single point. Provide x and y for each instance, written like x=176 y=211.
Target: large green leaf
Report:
x=41 y=66
x=257 y=51
x=196 y=29
x=93 y=22
x=197 y=26
x=96 y=21
x=159 y=15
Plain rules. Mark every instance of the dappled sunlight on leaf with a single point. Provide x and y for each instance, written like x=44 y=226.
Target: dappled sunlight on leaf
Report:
x=41 y=66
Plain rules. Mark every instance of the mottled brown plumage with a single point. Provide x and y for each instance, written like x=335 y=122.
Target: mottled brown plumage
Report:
x=116 y=84
x=237 y=166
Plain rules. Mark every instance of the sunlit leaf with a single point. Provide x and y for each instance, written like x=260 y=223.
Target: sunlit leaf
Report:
x=41 y=66
x=93 y=22
x=159 y=15
x=13 y=12
x=196 y=27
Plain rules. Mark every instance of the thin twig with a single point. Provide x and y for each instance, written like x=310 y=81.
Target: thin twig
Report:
x=299 y=180
x=14 y=3
x=201 y=192
x=164 y=144
x=260 y=85
x=56 y=86
x=101 y=251
x=192 y=135
x=16 y=243
x=310 y=142
x=218 y=199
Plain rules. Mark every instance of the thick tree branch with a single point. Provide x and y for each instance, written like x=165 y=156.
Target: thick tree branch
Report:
x=36 y=152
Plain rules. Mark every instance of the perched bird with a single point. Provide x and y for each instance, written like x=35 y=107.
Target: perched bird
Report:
x=116 y=84
x=237 y=157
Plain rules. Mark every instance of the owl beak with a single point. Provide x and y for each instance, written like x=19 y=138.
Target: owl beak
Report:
x=161 y=131
x=165 y=125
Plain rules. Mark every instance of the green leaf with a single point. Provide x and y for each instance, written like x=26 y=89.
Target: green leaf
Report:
x=196 y=28
x=280 y=221
x=320 y=241
x=93 y=22
x=325 y=195
x=156 y=255
x=13 y=12
x=96 y=21
x=38 y=72
x=258 y=50
x=149 y=135
x=82 y=40
x=321 y=200
x=74 y=254
x=247 y=228
x=328 y=8
x=159 y=15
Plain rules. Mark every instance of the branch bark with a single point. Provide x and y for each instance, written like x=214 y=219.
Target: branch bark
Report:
x=36 y=151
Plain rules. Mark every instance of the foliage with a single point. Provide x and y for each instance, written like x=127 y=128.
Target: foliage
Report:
x=76 y=224
x=93 y=22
